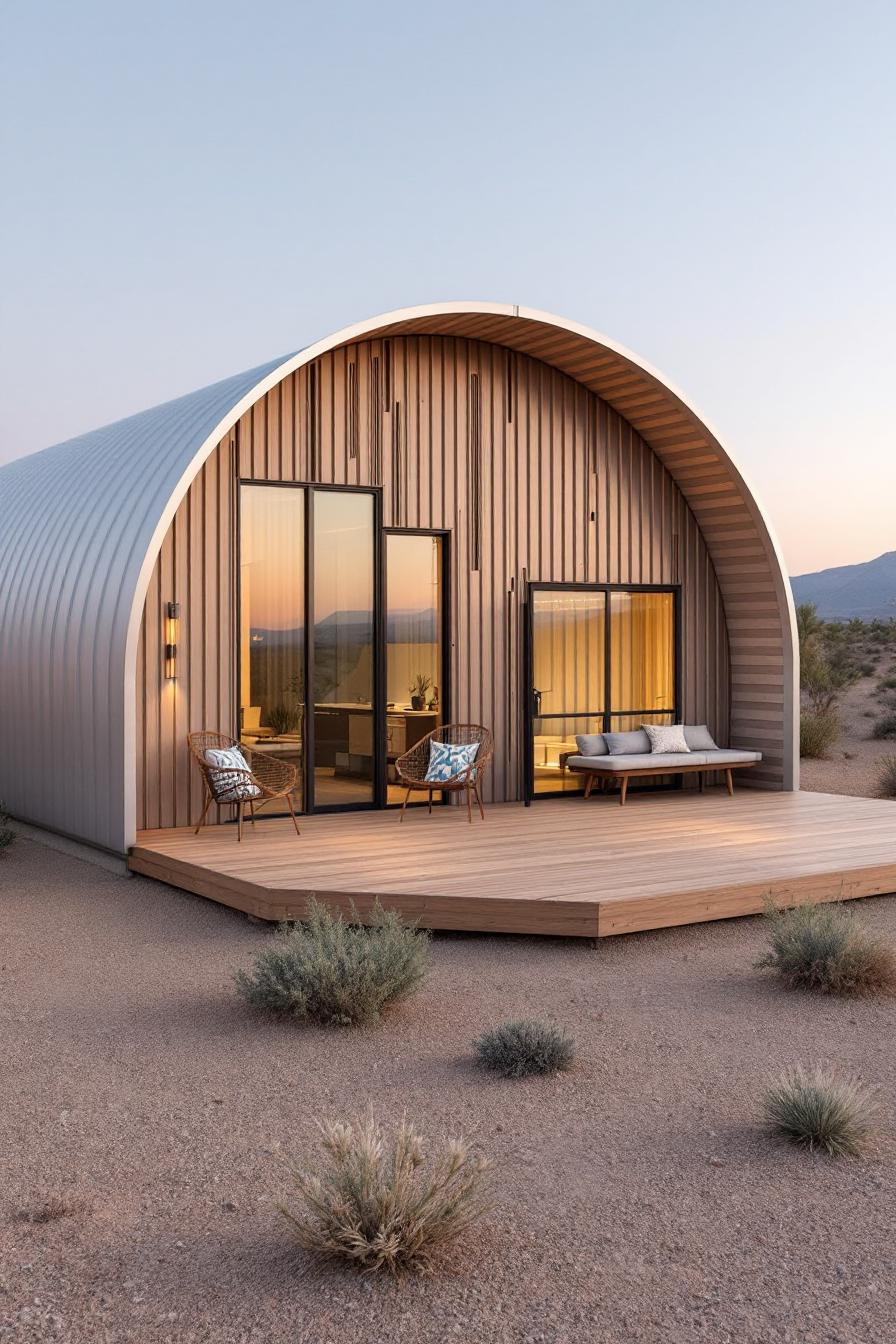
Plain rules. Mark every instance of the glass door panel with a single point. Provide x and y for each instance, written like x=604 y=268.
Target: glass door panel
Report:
x=568 y=681
x=343 y=649
x=642 y=655
x=414 y=646
x=272 y=623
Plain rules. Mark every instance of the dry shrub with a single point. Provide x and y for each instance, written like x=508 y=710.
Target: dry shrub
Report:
x=817 y=1110
x=819 y=730
x=885 y=727
x=887 y=779
x=334 y=972
x=824 y=948
x=520 y=1049
x=378 y=1204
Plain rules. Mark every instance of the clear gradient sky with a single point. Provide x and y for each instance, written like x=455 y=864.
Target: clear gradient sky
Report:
x=192 y=188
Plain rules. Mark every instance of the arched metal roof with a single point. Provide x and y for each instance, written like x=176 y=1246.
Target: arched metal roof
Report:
x=81 y=525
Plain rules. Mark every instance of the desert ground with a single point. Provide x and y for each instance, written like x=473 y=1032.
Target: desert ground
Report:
x=854 y=763
x=150 y=1120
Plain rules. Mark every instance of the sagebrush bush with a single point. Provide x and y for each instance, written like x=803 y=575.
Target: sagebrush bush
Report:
x=335 y=972
x=817 y=1110
x=377 y=1203
x=885 y=727
x=7 y=834
x=886 y=783
x=824 y=948
x=819 y=730
x=887 y=683
x=520 y=1049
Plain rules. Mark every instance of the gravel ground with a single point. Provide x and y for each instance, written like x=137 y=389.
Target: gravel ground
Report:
x=637 y=1199
x=854 y=765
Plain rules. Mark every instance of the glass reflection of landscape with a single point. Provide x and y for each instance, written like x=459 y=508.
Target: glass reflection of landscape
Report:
x=273 y=709
x=414 y=694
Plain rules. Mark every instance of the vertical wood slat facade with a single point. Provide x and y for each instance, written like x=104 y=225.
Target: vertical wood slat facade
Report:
x=569 y=491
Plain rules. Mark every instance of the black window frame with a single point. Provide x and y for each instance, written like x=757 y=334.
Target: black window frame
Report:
x=606 y=714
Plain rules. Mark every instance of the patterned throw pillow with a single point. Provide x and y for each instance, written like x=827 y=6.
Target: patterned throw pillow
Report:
x=446 y=761
x=226 y=786
x=669 y=738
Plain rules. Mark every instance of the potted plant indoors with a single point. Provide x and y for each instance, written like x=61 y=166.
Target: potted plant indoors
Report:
x=418 y=689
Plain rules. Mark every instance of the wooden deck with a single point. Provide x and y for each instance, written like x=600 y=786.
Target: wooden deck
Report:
x=570 y=866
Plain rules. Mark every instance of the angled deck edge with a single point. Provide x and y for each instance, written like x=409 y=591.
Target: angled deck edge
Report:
x=749 y=898
x=476 y=914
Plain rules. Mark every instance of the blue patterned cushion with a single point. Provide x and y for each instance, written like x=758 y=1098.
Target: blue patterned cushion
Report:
x=446 y=761
x=226 y=784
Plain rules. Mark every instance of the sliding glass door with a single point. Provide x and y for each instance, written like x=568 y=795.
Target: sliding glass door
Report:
x=272 y=625
x=341 y=656
x=343 y=677
x=601 y=659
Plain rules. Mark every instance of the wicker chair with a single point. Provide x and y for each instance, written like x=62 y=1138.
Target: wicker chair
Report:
x=412 y=766
x=274 y=779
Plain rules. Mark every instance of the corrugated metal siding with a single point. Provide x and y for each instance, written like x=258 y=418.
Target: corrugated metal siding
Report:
x=561 y=456
x=76 y=524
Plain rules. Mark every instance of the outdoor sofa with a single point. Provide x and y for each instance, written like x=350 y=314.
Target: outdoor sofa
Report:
x=624 y=756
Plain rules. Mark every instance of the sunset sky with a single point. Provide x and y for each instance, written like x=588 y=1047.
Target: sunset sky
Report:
x=194 y=188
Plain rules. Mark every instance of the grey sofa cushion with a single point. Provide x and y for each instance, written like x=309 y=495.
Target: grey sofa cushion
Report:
x=591 y=744
x=646 y=760
x=624 y=744
x=731 y=756
x=699 y=738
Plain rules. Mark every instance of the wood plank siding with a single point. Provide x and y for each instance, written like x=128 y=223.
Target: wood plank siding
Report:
x=536 y=477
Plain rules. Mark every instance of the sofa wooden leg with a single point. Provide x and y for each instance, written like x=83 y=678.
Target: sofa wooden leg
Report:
x=589 y=785
x=623 y=790
x=729 y=780
x=701 y=779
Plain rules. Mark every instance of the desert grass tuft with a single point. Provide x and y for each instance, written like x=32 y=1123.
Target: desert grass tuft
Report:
x=819 y=730
x=816 y=1110
x=886 y=783
x=334 y=972
x=885 y=727
x=521 y=1049
x=824 y=948
x=377 y=1203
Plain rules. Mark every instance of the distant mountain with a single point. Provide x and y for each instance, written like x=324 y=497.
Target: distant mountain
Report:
x=866 y=591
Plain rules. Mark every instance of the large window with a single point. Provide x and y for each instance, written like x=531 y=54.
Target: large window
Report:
x=602 y=659
x=307 y=565
x=328 y=681
x=343 y=673
x=272 y=623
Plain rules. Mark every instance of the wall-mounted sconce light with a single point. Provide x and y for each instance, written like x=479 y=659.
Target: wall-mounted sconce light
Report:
x=172 y=619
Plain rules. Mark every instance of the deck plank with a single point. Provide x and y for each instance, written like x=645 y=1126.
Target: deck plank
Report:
x=566 y=866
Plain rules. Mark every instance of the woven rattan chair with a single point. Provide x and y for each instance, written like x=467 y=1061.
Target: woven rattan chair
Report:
x=412 y=766
x=274 y=779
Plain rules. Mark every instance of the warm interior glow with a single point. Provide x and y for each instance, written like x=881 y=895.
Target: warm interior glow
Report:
x=576 y=642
